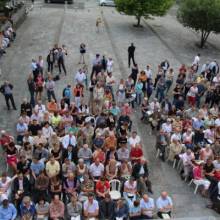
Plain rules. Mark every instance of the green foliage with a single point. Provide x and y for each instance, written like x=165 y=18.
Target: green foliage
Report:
x=201 y=15
x=2 y=3
x=143 y=8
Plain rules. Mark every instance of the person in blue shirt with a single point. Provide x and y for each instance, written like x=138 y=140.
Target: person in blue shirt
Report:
x=7 y=210
x=121 y=210
x=135 y=210
x=27 y=208
x=139 y=92
x=36 y=167
x=164 y=205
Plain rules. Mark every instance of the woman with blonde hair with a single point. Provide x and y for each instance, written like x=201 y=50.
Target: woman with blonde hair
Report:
x=111 y=170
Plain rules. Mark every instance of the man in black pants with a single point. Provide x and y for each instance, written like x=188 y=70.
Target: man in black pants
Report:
x=131 y=50
x=6 y=90
x=61 y=55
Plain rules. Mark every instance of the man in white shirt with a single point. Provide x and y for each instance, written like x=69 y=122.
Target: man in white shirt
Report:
x=167 y=127
x=80 y=77
x=69 y=139
x=134 y=139
x=148 y=72
x=91 y=208
x=96 y=169
x=196 y=62
x=147 y=207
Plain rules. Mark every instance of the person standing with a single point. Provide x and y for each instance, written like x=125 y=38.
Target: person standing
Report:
x=50 y=61
x=32 y=89
x=195 y=64
x=61 y=54
x=50 y=86
x=6 y=90
x=131 y=50
x=82 y=50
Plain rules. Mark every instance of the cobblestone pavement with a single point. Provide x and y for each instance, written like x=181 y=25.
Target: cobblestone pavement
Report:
x=70 y=25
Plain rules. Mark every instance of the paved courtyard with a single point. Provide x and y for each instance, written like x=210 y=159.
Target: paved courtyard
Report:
x=161 y=38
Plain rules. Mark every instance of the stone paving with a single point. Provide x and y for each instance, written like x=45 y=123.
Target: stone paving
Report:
x=159 y=39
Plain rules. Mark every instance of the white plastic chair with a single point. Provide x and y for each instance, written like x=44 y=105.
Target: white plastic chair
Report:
x=115 y=186
x=158 y=152
x=196 y=184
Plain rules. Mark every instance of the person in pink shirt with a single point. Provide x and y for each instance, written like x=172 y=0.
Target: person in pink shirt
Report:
x=56 y=208
x=199 y=179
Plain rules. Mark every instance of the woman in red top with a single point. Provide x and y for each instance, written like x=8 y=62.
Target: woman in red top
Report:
x=102 y=187
x=39 y=86
x=136 y=153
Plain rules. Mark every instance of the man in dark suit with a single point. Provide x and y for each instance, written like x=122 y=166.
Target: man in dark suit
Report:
x=70 y=153
x=21 y=188
x=140 y=173
x=131 y=50
x=6 y=90
x=106 y=208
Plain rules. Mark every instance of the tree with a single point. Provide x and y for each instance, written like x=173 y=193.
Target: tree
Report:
x=143 y=8
x=201 y=15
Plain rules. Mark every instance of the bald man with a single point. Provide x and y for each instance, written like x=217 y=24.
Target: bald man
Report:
x=164 y=205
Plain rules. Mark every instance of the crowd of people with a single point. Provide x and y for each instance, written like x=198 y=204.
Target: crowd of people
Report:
x=80 y=157
x=7 y=36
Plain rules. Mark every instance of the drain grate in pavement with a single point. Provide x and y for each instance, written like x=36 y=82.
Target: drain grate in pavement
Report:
x=77 y=5
x=61 y=6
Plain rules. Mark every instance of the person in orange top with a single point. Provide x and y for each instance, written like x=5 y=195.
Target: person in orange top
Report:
x=110 y=142
x=78 y=93
x=99 y=153
x=52 y=106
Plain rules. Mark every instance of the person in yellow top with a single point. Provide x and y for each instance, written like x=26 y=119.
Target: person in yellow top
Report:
x=52 y=167
x=56 y=120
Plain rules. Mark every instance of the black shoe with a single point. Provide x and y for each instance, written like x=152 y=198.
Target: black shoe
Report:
x=15 y=108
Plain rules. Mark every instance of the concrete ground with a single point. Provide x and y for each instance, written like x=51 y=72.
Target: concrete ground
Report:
x=73 y=24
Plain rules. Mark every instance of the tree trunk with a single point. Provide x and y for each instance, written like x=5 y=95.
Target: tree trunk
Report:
x=138 y=21
x=204 y=37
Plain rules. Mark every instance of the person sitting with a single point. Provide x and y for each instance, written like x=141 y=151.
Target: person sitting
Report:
x=42 y=209
x=91 y=208
x=106 y=208
x=102 y=188
x=130 y=189
x=135 y=210
x=164 y=205
x=56 y=208
x=96 y=169
x=141 y=174
x=27 y=208
x=52 y=167
x=111 y=169
x=74 y=208
x=175 y=149
x=136 y=153
x=199 y=178
x=70 y=186
x=121 y=210
x=7 y=210
x=147 y=207
x=21 y=188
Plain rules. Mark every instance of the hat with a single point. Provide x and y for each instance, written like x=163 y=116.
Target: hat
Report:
x=4 y=197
